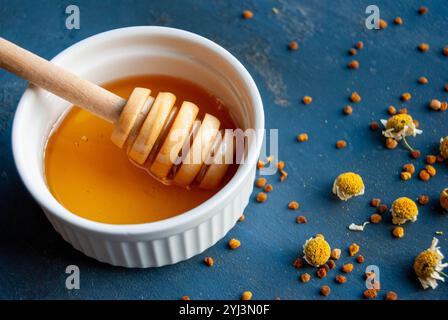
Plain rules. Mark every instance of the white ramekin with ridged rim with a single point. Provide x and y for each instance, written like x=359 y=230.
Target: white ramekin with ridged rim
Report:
x=135 y=51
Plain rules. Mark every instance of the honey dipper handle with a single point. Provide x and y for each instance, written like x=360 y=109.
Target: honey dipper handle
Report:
x=60 y=82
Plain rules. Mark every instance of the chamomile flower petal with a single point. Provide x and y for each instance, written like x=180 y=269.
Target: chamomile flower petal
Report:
x=428 y=266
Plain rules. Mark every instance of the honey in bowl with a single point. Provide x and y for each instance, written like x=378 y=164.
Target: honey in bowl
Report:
x=94 y=179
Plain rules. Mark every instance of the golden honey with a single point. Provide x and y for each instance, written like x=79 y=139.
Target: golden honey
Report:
x=94 y=179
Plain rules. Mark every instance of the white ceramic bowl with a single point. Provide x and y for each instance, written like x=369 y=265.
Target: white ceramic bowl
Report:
x=135 y=51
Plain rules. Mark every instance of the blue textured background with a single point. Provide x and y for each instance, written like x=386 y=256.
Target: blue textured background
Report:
x=33 y=257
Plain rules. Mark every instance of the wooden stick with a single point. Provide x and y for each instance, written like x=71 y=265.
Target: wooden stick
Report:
x=59 y=81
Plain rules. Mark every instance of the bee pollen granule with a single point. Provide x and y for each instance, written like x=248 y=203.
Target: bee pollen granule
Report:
x=398 y=232
x=234 y=244
x=247 y=295
x=325 y=290
x=353 y=249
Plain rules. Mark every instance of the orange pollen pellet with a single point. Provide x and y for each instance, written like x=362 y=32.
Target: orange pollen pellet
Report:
x=375 y=218
x=353 y=249
x=261 y=182
x=247 y=14
x=409 y=167
x=331 y=264
x=398 y=21
x=360 y=45
x=423 y=200
x=298 y=263
x=341 y=144
x=392 y=110
x=443 y=106
x=209 y=261
x=424 y=175
x=242 y=217
x=445 y=51
x=246 y=295
x=382 y=209
x=374 y=125
x=354 y=64
x=335 y=254
x=431 y=170
x=423 y=80
x=340 y=279
x=283 y=175
x=305 y=277
x=293 y=45
x=405 y=176
x=348 y=110
x=423 y=10
x=431 y=159
x=262 y=197
x=234 y=244
x=406 y=96
x=307 y=99
x=360 y=259
x=370 y=294
x=260 y=164
x=403 y=111
x=435 y=104
x=302 y=137
x=321 y=273
x=268 y=188
x=375 y=202
x=293 y=205
x=352 y=52
x=280 y=165
x=382 y=24
x=415 y=154
x=347 y=268
x=391 y=143
x=391 y=296
x=423 y=47
x=325 y=290
x=398 y=232
x=355 y=97
x=301 y=220
x=185 y=298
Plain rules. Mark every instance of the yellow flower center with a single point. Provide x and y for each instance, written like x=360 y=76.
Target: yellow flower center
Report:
x=317 y=251
x=444 y=147
x=444 y=199
x=398 y=122
x=350 y=183
x=426 y=262
x=405 y=208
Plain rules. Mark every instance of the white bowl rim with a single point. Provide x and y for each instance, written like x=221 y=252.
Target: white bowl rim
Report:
x=167 y=226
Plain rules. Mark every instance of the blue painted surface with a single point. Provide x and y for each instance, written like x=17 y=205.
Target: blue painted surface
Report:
x=33 y=257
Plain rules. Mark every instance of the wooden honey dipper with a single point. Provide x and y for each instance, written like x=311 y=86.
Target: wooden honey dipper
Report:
x=151 y=129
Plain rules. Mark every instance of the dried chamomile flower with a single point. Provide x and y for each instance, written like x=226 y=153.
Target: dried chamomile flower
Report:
x=428 y=266
x=443 y=199
x=403 y=210
x=348 y=185
x=444 y=147
x=316 y=251
x=399 y=127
